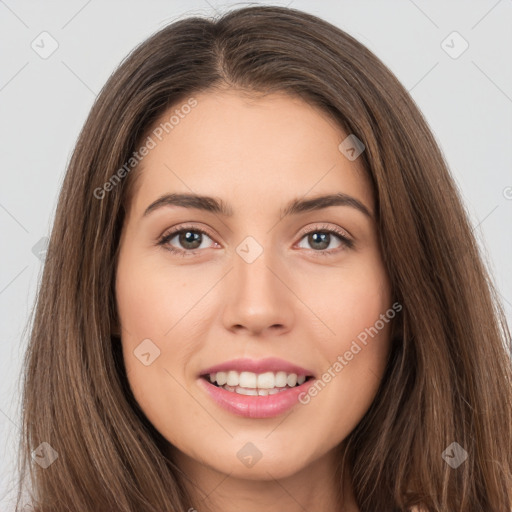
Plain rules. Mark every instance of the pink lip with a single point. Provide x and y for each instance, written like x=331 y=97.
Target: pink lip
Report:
x=270 y=364
x=255 y=406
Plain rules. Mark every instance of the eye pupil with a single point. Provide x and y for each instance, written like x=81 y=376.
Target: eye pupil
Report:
x=319 y=237
x=190 y=237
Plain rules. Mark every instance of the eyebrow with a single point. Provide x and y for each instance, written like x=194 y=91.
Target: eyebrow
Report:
x=219 y=207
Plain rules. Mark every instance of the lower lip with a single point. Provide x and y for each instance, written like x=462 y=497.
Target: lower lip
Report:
x=268 y=406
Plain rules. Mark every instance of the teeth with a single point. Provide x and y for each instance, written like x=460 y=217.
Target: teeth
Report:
x=233 y=378
x=220 y=377
x=291 y=380
x=246 y=391
x=266 y=380
x=263 y=384
x=280 y=379
x=247 y=380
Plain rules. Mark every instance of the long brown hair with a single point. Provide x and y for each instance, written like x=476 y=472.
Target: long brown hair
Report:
x=448 y=377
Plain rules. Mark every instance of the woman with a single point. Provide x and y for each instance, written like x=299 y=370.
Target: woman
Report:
x=262 y=292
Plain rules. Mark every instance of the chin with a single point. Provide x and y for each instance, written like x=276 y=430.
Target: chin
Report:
x=263 y=470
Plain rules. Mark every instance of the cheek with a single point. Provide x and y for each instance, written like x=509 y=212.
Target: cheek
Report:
x=363 y=326
x=155 y=300
x=348 y=299
x=152 y=305
x=356 y=346
x=358 y=354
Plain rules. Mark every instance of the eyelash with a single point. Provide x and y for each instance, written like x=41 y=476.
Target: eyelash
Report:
x=346 y=242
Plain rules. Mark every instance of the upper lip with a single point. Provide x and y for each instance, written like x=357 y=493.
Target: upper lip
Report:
x=270 y=364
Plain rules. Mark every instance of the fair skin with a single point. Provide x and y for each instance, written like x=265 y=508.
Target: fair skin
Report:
x=211 y=305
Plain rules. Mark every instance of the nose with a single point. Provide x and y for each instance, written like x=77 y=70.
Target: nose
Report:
x=258 y=298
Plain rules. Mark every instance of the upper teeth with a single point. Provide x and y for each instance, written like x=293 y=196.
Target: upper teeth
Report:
x=267 y=380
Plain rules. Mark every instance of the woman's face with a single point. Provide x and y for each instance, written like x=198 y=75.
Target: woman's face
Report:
x=261 y=286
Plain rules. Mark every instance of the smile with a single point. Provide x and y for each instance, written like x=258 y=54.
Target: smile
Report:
x=253 y=384
x=256 y=389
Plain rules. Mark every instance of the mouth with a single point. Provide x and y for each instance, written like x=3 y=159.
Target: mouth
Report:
x=256 y=384
x=256 y=389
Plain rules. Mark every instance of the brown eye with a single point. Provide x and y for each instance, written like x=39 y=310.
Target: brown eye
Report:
x=189 y=239
x=184 y=240
x=319 y=240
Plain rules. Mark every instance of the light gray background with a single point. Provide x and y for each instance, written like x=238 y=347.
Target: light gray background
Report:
x=44 y=102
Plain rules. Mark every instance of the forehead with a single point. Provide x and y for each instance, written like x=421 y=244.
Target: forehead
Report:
x=235 y=146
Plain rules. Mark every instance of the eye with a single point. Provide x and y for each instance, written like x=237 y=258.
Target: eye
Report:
x=321 y=238
x=189 y=239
